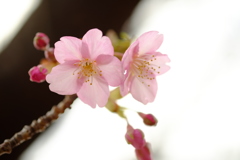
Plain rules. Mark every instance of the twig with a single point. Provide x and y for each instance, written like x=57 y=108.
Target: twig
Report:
x=36 y=126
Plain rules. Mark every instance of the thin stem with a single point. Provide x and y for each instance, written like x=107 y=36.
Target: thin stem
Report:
x=36 y=126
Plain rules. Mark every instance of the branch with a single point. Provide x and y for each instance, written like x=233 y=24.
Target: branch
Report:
x=36 y=126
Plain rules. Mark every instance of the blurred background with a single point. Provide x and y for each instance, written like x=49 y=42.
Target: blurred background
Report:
x=197 y=104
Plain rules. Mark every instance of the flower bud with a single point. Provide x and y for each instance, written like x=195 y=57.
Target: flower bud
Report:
x=41 y=41
x=148 y=119
x=37 y=74
x=135 y=137
x=143 y=153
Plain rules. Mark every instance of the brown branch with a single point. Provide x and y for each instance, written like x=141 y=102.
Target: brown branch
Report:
x=36 y=126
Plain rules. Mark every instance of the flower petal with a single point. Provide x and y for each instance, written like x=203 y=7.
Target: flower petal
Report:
x=144 y=91
x=63 y=80
x=95 y=94
x=161 y=60
x=68 y=48
x=124 y=88
x=85 y=51
x=129 y=54
x=111 y=69
x=97 y=44
x=149 y=42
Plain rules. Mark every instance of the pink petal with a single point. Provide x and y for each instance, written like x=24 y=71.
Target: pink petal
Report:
x=163 y=69
x=129 y=54
x=68 y=48
x=124 y=88
x=97 y=44
x=144 y=92
x=62 y=80
x=85 y=51
x=95 y=94
x=111 y=69
x=149 y=42
x=161 y=60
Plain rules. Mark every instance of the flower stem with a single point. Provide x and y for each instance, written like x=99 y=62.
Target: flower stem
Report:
x=36 y=126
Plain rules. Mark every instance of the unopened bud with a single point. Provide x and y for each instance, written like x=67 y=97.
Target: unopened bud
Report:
x=135 y=137
x=37 y=74
x=41 y=41
x=143 y=153
x=148 y=119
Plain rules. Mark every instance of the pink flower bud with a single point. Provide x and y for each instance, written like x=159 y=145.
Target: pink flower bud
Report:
x=37 y=74
x=41 y=41
x=148 y=119
x=49 y=54
x=143 y=153
x=135 y=137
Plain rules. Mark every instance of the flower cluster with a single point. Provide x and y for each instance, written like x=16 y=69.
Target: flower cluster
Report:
x=88 y=66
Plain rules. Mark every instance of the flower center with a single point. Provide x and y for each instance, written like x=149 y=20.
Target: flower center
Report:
x=144 y=67
x=86 y=69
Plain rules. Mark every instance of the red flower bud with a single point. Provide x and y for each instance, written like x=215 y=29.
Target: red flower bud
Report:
x=135 y=137
x=148 y=119
x=41 y=41
x=37 y=74
x=143 y=153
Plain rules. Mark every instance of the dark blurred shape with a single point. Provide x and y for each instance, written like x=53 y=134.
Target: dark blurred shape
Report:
x=23 y=101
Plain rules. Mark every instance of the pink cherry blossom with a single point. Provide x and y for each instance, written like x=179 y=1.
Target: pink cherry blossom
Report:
x=142 y=64
x=86 y=68
x=37 y=73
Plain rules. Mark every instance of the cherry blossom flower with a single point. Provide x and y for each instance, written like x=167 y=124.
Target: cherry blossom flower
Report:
x=142 y=64
x=38 y=73
x=86 y=68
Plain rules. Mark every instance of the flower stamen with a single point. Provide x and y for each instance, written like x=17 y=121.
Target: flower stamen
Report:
x=144 y=67
x=87 y=69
